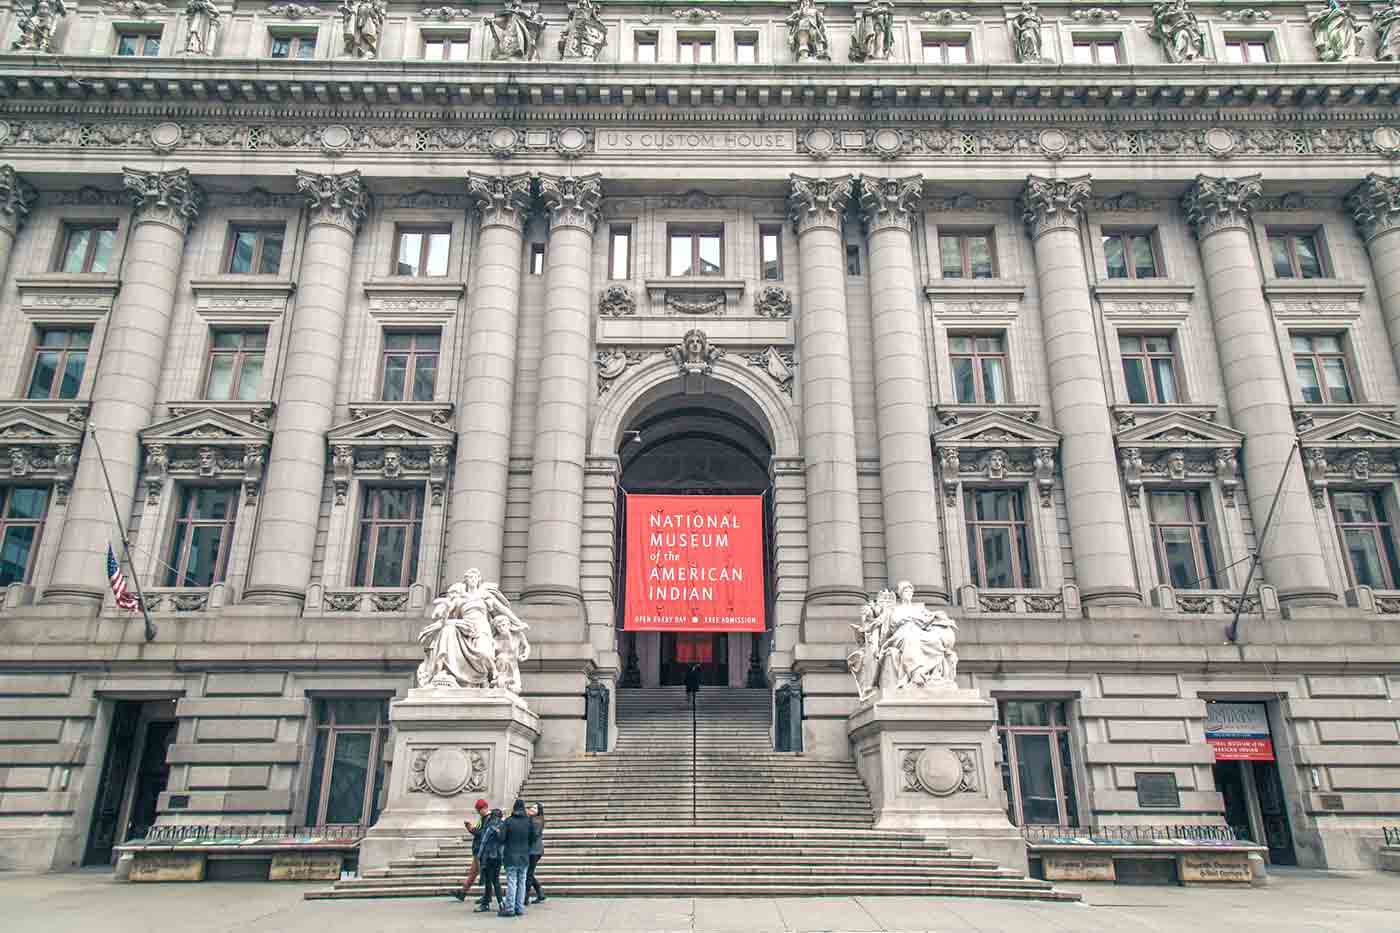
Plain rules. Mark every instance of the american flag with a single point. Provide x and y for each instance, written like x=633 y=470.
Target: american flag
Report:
x=125 y=599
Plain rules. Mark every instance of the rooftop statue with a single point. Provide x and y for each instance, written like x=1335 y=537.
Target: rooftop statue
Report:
x=807 y=32
x=362 y=23
x=474 y=639
x=516 y=31
x=902 y=644
x=1386 y=23
x=584 y=34
x=1025 y=34
x=202 y=22
x=38 y=23
x=872 y=38
x=1181 y=35
x=1336 y=33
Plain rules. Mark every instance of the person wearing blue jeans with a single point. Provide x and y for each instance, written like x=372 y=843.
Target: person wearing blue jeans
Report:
x=521 y=833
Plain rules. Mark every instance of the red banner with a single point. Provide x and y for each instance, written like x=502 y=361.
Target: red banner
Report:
x=1242 y=749
x=694 y=564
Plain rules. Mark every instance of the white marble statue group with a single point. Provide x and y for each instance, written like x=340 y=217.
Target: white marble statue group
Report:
x=474 y=639
x=902 y=644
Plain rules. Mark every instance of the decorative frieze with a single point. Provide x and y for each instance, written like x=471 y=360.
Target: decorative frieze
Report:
x=294 y=10
x=572 y=201
x=1214 y=204
x=890 y=202
x=1053 y=203
x=818 y=202
x=501 y=200
x=1375 y=205
x=171 y=198
x=342 y=200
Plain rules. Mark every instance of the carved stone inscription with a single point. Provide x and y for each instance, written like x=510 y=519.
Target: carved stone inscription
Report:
x=1215 y=867
x=629 y=141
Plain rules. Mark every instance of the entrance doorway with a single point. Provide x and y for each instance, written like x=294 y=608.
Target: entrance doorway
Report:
x=710 y=653
x=1255 y=806
x=135 y=773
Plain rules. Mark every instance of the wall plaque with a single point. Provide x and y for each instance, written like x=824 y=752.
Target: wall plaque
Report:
x=682 y=142
x=1157 y=789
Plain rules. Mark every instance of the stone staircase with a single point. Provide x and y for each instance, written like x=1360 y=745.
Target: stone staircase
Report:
x=765 y=823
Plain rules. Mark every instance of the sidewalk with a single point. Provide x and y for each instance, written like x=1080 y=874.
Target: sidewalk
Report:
x=91 y=902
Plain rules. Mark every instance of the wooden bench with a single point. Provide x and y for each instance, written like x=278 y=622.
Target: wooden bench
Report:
x=1183 y=861
x=274 y=856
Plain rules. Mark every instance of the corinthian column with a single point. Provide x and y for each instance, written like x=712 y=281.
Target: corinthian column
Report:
x=16 y=197
x=1255 y=387
x=911 y=505
x=124 y=390
x=1375 y=205
x=834 y=574
x=561 y=422
x=1098 y=529
x=296 y=471
x=478 y=509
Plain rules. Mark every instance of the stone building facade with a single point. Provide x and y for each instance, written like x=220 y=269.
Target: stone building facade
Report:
x=1042 y=308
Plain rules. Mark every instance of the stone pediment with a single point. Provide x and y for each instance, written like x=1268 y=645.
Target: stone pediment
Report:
x=21 y=426
x=35 y=446
x=1178 y=448
x=996 y=429
x=206 y=427
x=391 y=426
x=1178 y=430
x=1356 y=447
x=390 y=443
x=205 y=444
x=999 y=447
x=1359 y=430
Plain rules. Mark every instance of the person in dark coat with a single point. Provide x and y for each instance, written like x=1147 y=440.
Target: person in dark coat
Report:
x=492 y=851
x=474 y=826
x=520 y=834
x=536 y=813
x=692 y=680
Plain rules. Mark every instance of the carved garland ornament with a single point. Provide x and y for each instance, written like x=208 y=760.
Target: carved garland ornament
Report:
x=447 y=772
x=941 y=772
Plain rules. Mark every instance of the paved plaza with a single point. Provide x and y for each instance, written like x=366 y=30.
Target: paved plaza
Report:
x=1295 y=901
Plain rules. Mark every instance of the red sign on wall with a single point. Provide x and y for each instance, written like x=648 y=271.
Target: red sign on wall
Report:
x=694 y=564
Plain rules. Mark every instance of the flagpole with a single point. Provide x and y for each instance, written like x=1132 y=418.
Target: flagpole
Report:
x=121 y=531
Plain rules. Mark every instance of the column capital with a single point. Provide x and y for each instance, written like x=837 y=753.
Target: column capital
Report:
x=341 y=200
x=1214 y=204
x=890 y=202
x=171 y=198
x=502 y=200
x=1375 y=206
x=16 y=197
x=1054 y=203
x=572 y=201
x=818 y=202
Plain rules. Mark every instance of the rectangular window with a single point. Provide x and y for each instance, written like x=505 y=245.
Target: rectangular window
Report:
x=255 y=250
x=1149 y=368
x=746 y=48
x=446 y=48
x=1321 y=364
x=1131 y=255
x=293 y=45
x=60 y=355
x=979 y=368
x=1296 y=255
x=939 y=51
x=87 y=247
x=1181 y=540
x=852 y=260
x=391 y=526
x=22 y=511
x=1368 y=541
x=203 y=534
x=1096 y=52
x=409 y=373
x=646 y=48
x=422 y=251
x=138 y=43
x=1240 y=51
x=537 y=259
x=235 y=365
x=1037 y=770
x=696 y=48
x=998 y=544
x=770 y=249
x=347 y=767
x=695 y=251
x=620 y=252
x=967 y=255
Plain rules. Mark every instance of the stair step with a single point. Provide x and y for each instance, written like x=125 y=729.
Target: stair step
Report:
x=709 y=887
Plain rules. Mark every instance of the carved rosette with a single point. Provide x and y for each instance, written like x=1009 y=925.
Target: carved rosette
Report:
x=171 y=198
x=16 y=197
x=818 y=202
x=342 y=200
x=773 y=301
x=1054 y=203
x=890 y=202
x=1215 y=204
x=572 y=201
x=1375 y=206
x=940 y=772
x=502 y=200
x=446 y=772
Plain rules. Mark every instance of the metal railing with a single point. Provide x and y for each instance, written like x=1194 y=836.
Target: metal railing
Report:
x=1130 y=833
x=1392 y=835
x=348 y=833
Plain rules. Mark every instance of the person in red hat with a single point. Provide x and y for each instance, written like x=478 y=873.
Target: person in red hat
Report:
x=474 y=826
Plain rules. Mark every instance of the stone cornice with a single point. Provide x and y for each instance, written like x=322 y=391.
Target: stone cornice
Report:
x=1375 y=206
x=572 y=201
x=171 y=198
x=890 y=202
x=1215 y=204
x=1054 y=203
x=341 y=200
x=501 y=200
x=818 y=202
x=16 y=197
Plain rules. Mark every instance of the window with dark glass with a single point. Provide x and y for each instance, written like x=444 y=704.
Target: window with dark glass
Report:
x=1149 y=368
x=22 y=511
x=939 y=51
x=202 y=536
x=391 y=527
x=60 y=355
x=255 y=250
x=770 y=247
x=620 y=252
x=1131 y=255
x=139 y=43
x=1181 y=540
x=446 y=48
x=409 y=373
x=979 y=368
x=294 y=45
x=1321 y=364
x=87 y=247
x=852 y=260
x=696 y=48
x=746 y=48
x=422 y=251
x=235 y=365
x=695 y=251
x=1296 y=255
x=1096 y=52
x=967 y=255
x=1368 y=540
x=998 y=543
x=1240 y=51
x=1037 y=767
x=537 y=259
x=347 y=767
x=646 y=48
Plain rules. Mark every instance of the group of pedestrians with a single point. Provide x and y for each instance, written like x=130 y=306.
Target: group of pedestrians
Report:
x=513 y=844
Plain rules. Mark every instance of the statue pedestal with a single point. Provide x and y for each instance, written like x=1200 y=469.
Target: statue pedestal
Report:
x=452 y=746
x=929 y=758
